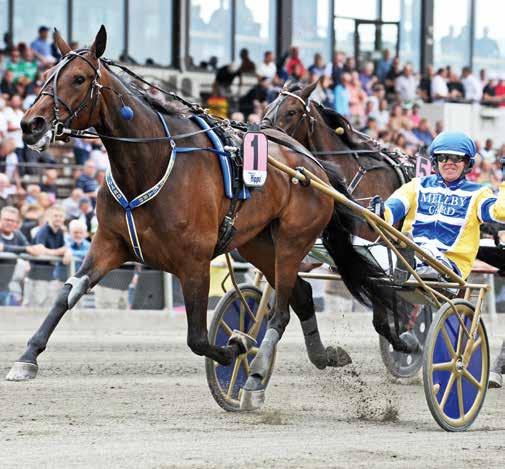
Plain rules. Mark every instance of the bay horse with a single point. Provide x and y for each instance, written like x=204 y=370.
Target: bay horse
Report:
x=367 y=169
x=178 y=230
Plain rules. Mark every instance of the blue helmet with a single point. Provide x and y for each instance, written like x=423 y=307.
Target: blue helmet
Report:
x=456 y=143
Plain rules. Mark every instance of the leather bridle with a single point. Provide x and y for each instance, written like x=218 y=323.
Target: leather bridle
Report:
x=50 y=88
x=275 y=109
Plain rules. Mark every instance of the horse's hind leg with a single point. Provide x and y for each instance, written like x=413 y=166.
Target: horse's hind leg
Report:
x=303 y=305
x=95 y=266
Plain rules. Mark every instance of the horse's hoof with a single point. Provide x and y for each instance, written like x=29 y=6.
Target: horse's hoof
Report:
x=243 y=340
x=22 y=371
x=252 y=400
x=413 y=345
x=338 y=357
x=495 y=380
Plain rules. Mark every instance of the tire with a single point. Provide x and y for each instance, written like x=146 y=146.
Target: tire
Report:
x=441 y=367
x=230 y=310
x=407 y=365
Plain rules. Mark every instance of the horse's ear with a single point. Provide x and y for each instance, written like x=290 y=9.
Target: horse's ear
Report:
x=308 y=90
x=98 y=47
x=62 y=45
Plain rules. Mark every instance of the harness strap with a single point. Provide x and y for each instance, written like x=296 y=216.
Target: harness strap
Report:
x=143 y=198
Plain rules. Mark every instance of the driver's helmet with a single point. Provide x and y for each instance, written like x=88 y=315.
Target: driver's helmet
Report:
x=455 y=143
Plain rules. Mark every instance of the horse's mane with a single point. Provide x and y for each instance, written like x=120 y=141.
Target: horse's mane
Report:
x=334 y=120
x=138 y=89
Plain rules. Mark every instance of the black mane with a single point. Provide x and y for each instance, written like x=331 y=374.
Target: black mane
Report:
x=138 y=90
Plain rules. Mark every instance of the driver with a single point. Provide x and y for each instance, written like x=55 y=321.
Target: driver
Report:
x=443 y=212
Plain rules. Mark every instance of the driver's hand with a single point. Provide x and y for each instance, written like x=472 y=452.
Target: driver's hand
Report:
x=376 y=206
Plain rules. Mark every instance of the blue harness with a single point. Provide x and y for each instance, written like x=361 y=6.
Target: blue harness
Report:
x=129 y=206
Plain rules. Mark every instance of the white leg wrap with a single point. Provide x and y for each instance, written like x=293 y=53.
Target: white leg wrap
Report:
x=79 y=286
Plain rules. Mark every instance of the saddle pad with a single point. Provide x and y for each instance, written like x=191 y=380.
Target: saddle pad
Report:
x=224 y=161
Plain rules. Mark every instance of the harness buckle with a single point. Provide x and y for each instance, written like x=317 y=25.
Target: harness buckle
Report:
x=58 y=129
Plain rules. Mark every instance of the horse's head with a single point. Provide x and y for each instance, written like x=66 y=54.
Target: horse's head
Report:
x=69 y=97
x=291 y=111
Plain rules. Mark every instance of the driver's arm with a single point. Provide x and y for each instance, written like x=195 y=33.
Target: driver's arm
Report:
x=401 y=202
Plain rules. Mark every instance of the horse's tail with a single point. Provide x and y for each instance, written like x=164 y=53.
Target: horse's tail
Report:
x=357 y=270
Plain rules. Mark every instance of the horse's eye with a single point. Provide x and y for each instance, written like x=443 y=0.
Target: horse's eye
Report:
x=79 y=80
x=291 y=113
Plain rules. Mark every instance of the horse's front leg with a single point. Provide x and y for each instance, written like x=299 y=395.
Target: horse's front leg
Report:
x=195 y=282
x=104 y=255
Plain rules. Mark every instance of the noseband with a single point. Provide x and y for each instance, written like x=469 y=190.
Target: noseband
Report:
x=57 y=125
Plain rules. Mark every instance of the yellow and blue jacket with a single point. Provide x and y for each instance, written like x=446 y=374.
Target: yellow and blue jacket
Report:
x=446 y=215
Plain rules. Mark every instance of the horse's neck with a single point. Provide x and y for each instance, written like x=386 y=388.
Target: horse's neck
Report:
x=135 y=167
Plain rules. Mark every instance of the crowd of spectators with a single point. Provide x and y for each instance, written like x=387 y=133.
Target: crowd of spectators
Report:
x=382 y=99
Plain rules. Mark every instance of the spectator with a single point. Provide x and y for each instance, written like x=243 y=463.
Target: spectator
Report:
x=487 y=153
x=9 y=159
x=255 y=100
x=415 y=117
x=7 y=85
x=99 y=156
x=472 y=85
x=225 y=76
x=318 y=67
x=87 y=181
x=247 y=66
x=423 y=132
x=425 y=84
x=14 y=114
x=49 y=183
x=267 y=68
x=294 y=63
x=367 y=78
x=439 y=90
x=237 y=117
x=342 y=96
x=87 y=214
x=381 y=115
x=45 y=279
x=12 y=240
x=406 y=84
x=217 y=102
x=32 y=94
x=82 y=149
x=51 y=234
x=391 y=76
x=78 y=245
x=357 y=99
x=335 y=68
x=489 y=94
x=7 y=191
x=3 y=119
x=499 y=92
x=378 y=94
x=383 y=65
x=42 y=48
x=71 y=204
x=32 y=215
x=32 y=194
x=455 y=87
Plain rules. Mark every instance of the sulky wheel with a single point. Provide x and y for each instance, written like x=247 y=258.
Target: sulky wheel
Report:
x=226 y=382
x=455 y=371
x=406 y=365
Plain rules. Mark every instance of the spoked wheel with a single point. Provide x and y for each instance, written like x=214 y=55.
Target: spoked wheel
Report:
x=456 y=371
x=226 y=382
x=406 y=365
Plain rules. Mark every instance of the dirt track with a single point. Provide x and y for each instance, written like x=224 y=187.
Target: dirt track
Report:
x=121 y=389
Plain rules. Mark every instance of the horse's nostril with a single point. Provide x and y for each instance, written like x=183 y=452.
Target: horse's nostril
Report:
x=37 y=125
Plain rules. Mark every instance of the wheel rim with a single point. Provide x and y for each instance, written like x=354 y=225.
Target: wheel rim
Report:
x=231 y=378
x=458 y=390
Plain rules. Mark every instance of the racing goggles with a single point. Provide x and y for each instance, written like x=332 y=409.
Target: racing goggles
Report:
x=445 y=157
